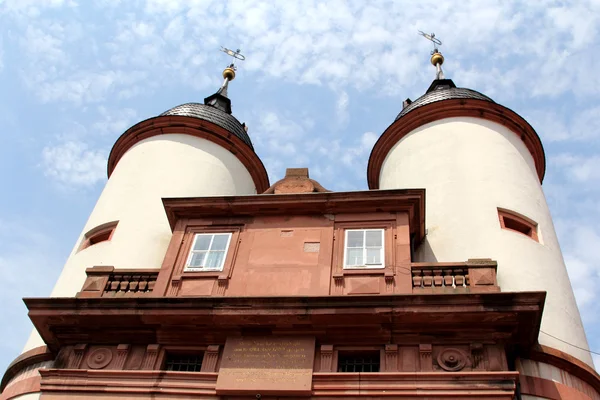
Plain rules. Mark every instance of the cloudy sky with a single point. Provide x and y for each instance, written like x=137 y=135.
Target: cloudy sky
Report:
x=321 y=81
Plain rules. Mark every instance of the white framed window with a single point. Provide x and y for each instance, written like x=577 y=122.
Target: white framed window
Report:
x=208 y=252
x=364 y=248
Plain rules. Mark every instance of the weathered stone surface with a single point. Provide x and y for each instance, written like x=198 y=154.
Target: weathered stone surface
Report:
x=267 y=365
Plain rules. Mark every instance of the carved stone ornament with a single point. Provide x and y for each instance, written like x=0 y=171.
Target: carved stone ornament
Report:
x=452 y=359
x=99 y=358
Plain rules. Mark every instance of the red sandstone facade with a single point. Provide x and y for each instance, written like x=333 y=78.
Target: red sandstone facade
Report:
x=283 y=311
x=279 y=317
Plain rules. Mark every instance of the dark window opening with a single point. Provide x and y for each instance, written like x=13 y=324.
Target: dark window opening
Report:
x=184 y=362
x=100 y=237
x=358 y=361
x=515 y=225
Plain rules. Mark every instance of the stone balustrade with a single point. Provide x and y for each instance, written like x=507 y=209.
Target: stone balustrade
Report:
x=474 y=275
x=111 y=282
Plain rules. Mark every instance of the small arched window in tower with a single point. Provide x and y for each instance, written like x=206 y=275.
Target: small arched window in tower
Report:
x=101 y=233
x=517 y=223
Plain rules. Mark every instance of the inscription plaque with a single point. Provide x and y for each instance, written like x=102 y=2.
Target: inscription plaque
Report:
x=265 y=365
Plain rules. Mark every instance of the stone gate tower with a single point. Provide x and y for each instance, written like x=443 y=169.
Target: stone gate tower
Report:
x=194 y=278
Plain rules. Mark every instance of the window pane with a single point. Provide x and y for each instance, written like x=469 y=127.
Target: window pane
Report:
x=219 y=242
x=373 y=256
x=197 y=259
x=354 y=257
x=355 y=239
x=374 y=238
x=214 y=259
x=202 y=242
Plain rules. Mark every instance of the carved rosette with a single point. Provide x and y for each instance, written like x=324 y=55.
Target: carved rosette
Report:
x=452 y=359
x=99 y=358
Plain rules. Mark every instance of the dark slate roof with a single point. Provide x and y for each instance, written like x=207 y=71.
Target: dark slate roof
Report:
x=443 y=94
x=214 y=115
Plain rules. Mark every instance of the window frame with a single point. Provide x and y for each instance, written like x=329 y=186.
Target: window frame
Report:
x=521 y=221
x=382 y=250
x=191 y=252
x=342 y=353
x=171 y=355
x=98 y=234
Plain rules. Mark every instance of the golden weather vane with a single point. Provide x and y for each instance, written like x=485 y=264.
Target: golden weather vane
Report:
x=229 y=72
x=437 y=59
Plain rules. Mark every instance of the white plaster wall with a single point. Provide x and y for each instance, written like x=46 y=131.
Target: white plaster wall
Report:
x=173 y=165
x=28 y=396
x=470 y=167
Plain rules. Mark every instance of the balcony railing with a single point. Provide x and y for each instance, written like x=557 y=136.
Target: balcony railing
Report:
x=475 y=275
x=111 y=282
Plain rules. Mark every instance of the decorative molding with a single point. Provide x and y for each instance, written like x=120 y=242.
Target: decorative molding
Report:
x=477 y=356
x=452 y=359
x=391 y=358
x=338 y=284
x=389 y=280
x=77 y=358
x=455 y=385
x=99 y=358
x=174 y=289
x=221 y=285
x=58 y=320
x=425 y=357
x=327 y=358
x=122 y=352
x=150 y=357
x=211 y=357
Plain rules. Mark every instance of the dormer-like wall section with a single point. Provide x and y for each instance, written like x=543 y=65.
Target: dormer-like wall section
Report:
x=308 y=244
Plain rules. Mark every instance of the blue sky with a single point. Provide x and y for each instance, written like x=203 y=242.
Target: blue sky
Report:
x=321 y=82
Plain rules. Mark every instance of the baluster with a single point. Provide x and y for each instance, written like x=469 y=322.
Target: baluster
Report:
x=124 y=283
x=417 y=278
x=116 y=282
x=427 y=278
x=448 y=279
x=459 y=277
x=437 y=277
x=134 y=283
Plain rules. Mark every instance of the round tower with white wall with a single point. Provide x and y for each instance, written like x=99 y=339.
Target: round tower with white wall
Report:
x=192 y=150
x=482 y=166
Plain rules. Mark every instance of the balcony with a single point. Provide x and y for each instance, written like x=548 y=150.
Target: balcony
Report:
x=472 y=276
x=109 y=282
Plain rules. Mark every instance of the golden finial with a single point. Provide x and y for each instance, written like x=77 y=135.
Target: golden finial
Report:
x=229 y=73
x=437 y=58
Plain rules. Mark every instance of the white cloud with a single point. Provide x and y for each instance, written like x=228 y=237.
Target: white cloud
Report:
x=73 y=164
x=581 y=168
x=114 y=121
x=341 y=110
x=369 y=46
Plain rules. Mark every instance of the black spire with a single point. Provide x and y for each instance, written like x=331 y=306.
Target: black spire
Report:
x=219 y=100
